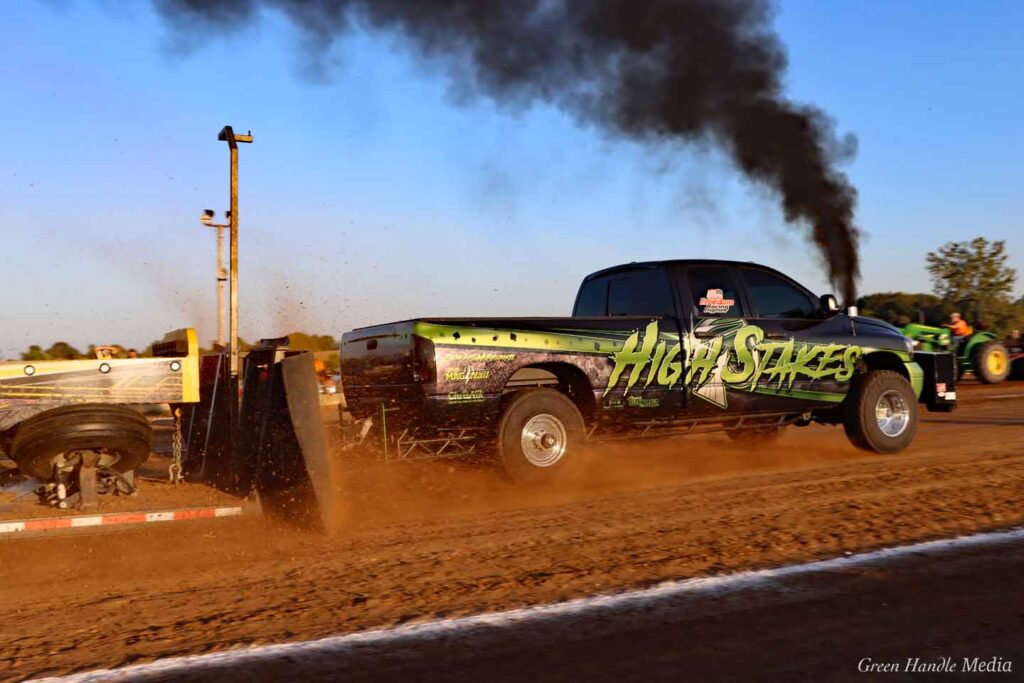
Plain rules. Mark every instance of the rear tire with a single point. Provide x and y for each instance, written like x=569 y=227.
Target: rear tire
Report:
x=541 y=437
x=881 y=412
x=991 y=362
x=121 y=434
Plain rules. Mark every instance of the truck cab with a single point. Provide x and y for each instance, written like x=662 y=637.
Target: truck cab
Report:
x=705 y=303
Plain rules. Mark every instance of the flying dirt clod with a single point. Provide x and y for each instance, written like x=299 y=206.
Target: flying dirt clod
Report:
x=655 y=72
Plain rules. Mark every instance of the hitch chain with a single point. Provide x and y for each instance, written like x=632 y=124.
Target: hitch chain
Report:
x=174 y=472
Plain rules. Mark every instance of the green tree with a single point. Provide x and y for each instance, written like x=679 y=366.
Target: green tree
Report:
x=35 y=352
x=63 y=351
x=972 y=270
x=302 y=341
x=976 y=270
x=901 y=308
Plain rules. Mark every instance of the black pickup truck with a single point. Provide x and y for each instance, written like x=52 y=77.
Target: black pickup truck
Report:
x=651 y=349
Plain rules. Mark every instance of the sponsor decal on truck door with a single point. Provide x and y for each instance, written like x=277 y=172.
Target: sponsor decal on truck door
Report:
x=727 y=353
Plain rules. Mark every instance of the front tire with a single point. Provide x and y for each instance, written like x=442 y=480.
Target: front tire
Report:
x=881 y=412
x=991 y=362
x=541 y=437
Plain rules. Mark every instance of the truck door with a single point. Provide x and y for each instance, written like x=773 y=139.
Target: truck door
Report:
x=645 y=372
x=799 y=359
x=713 y=313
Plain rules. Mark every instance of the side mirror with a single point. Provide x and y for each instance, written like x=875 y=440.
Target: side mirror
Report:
x=828 y=304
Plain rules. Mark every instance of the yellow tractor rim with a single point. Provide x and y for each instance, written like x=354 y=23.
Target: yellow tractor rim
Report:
x=996 y=362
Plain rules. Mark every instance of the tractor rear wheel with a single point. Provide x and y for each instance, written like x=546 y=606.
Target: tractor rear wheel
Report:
x=991 y=362
x=121 y=436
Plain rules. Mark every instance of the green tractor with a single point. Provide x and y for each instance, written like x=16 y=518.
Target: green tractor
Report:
x=981 y=352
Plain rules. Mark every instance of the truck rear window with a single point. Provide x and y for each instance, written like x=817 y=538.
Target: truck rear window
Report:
x=593 y=298
x=640 y=292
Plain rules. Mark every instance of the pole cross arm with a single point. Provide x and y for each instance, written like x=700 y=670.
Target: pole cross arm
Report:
x=227 y=134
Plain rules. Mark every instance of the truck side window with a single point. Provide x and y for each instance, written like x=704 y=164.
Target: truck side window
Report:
x=640 y=292
x=714 y=291
x=593 y=298
x=774 y=297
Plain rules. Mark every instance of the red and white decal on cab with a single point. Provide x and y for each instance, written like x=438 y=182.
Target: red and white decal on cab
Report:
x=714 y=302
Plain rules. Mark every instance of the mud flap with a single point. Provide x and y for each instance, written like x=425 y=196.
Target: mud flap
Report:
x=939 y=390
x=284 y=448
x=208 y=428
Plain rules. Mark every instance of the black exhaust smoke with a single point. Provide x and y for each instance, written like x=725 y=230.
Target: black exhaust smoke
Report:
x=654 y=71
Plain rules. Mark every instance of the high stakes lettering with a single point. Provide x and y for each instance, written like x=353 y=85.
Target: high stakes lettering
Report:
x=749 y=360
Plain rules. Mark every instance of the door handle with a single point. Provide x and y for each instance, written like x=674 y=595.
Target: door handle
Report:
x=774 y=334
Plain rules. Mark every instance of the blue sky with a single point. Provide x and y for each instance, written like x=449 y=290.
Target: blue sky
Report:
x=372 y=193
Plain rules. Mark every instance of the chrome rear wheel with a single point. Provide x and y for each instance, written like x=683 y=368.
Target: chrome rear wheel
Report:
x=543 y=440
x=541 y=437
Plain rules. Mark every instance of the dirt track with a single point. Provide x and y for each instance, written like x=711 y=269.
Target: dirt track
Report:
x=432 y=541
x=909 y=616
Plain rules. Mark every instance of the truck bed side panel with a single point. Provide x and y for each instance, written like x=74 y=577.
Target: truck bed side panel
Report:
x=476 y=358
x=635 y=368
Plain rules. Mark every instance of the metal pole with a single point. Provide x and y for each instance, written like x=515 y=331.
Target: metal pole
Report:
x=233 y=268
x=227 y=134
x=222 y=276
x=222 y=272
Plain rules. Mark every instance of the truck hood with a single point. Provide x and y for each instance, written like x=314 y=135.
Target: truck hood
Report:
x=876 y=325
x=881 y=335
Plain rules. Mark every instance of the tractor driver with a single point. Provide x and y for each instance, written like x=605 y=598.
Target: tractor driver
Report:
x=958 y=326
x=1014 y=342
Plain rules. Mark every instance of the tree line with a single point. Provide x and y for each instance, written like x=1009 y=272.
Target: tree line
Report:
x=970 y=277
x=61 y=350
